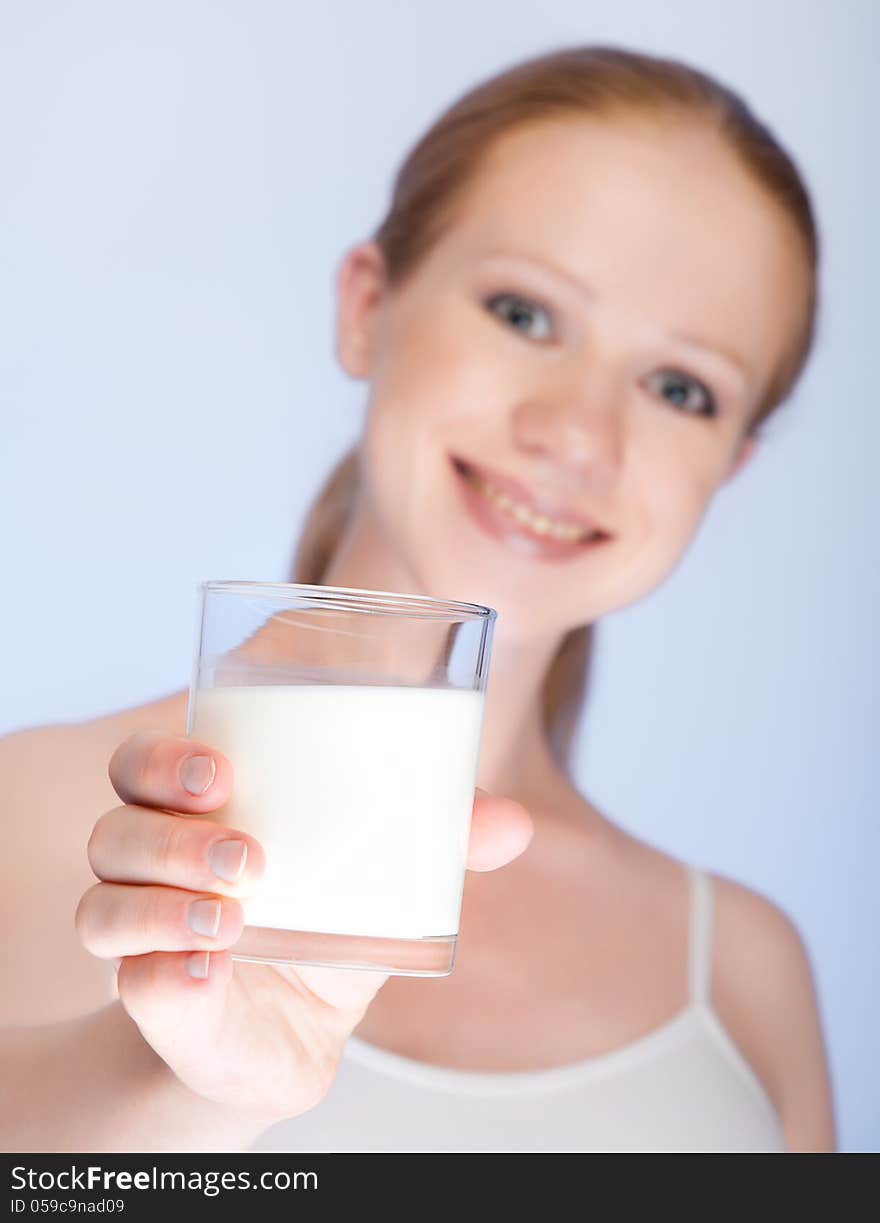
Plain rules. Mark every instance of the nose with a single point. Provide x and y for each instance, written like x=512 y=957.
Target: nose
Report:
x=579 y=435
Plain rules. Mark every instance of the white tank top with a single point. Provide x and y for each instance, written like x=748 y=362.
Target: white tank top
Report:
x=685 y=1086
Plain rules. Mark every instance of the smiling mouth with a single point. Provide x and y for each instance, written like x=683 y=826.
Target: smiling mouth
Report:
x=504 y=516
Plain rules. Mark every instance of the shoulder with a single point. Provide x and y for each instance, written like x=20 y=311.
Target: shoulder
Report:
x=773 y=942
x=167 y=713
x=764 y=992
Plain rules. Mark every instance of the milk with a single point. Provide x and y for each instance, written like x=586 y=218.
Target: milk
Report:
x=361 y=796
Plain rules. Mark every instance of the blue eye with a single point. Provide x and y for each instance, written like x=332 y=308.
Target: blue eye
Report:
x=520 y=312
x=683 y=391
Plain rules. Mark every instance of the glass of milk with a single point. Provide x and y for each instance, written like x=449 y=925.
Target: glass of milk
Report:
x=352 y=720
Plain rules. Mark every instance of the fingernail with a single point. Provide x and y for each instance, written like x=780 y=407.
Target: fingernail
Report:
x=197 y=773
x=198 y=963
x=204 y=917
x=227 y=859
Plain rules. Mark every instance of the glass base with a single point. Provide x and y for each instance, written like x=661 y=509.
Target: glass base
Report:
x=403 y=957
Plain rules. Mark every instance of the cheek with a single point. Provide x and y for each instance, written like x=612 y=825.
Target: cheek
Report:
x=402 y=445
x=447 y=364
x=671 y=488
x=681 y=501
x=436 y=394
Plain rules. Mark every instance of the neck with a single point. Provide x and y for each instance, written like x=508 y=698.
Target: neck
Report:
x=515 y=756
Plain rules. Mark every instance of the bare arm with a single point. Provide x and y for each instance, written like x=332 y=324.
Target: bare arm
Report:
x=53 y=785
x=184 y=1060
x=94 y=1084
x=83 y=1078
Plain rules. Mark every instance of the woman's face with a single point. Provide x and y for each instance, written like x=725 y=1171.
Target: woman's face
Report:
x=591 y=336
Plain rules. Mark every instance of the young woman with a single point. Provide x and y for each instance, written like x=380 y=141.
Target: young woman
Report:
x=595 y=281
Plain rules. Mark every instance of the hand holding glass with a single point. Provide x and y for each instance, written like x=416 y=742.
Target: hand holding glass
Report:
x=352 y=720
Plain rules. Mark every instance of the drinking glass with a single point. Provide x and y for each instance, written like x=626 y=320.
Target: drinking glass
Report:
x=352 y=719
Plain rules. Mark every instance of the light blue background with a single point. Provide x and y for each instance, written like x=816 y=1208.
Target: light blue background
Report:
x=180 y=181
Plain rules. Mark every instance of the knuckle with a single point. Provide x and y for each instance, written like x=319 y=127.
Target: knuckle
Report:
x=97 y=836
x=119 y=766
x=120 y=753
x=101 y=838
x=93 y=846
x=87 y=920
x=170 y=852
x=148 y=761
x=150 y=915
x=137 y=762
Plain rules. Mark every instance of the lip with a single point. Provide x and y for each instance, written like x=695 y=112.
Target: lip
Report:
x=538 y=503
x=500 y=526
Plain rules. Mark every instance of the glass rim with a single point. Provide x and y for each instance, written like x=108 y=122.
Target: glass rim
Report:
x=353 y=598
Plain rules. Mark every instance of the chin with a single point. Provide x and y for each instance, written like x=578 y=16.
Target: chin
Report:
x=533 y=600
x=522 y=613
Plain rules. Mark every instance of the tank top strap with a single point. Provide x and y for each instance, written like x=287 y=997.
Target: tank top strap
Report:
x=701 y=928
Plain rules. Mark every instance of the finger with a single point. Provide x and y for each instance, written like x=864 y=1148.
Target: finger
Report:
x=137 y=845
x=154 y=769
x=180 y=1003
x=114 y=920
x=501 y=828
x=172 y=993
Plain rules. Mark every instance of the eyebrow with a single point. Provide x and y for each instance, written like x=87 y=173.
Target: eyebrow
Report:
x=588 y=293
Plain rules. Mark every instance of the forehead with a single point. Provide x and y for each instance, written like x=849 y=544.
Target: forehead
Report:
x=658 y=218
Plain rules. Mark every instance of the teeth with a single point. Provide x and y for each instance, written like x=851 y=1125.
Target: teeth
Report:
x=539 y=523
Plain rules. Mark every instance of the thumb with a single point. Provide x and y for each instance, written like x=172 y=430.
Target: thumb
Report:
x=501 y=828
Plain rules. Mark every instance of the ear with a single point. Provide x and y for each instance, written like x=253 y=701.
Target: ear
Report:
x=359 y=287
x=747 y=448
